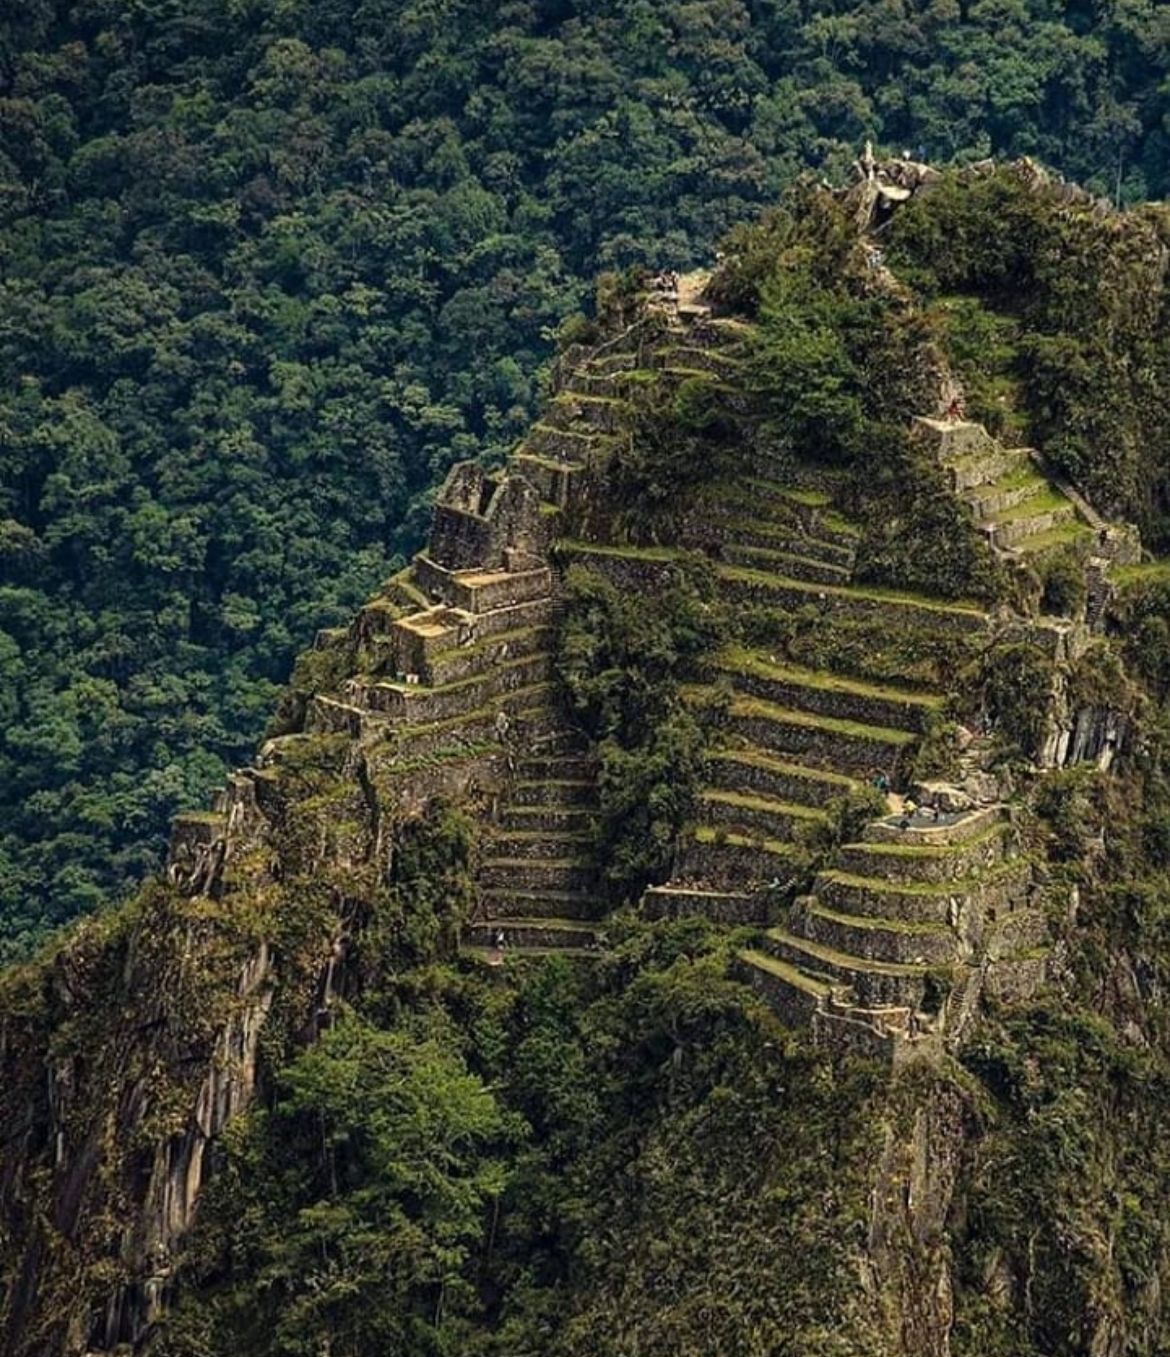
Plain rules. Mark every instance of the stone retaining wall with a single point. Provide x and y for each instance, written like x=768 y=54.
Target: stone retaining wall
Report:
x=740 y=776
x=728 y=907
x=867 y=710
x=828 y=749
x=917 y=948
x=958 y=860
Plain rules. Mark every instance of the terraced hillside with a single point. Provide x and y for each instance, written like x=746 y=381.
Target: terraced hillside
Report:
x=885 y=940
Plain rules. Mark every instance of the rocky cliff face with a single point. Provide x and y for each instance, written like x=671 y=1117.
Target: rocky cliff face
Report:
x=125 y=1053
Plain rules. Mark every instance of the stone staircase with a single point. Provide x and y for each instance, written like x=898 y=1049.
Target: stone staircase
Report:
x=882 y=955
x=538 y=880
x=1020 y=509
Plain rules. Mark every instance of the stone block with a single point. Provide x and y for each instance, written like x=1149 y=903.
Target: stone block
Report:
x=947 y=439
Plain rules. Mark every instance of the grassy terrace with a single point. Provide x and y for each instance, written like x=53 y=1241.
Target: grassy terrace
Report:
x=771 y=559
x=1044 y=501
x=577 y=548
x=534 y=690
x=522 y=864
x=757 y=758
x=818 y=989
x=402 y=582
x=880 y=885
x=842 y=961
x=417 y=692
x=745 y=801
x=590 y=437
x=548 y=463
x=879 y=925
x=585 y=398
x=706 y=834
x=548 y=924
x=866 y=593
x=1064 y=534
x=455 y=753
x=931 y=851
x=515 y=953
x=1148 y=572
x=490 y=642
x=738 y=660
x=769 y=711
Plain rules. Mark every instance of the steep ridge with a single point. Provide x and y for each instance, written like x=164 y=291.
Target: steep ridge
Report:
x=880 y=929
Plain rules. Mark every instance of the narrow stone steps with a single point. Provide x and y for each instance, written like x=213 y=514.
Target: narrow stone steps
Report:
x=539 y=844
x=502 y=903
x=574 y=819
x=825 y=693
x=540 y=932
x=554 y=792
x=673 y=901
x=753 y=770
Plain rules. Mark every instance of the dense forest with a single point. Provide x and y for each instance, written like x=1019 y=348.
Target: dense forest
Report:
x=268 y=267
